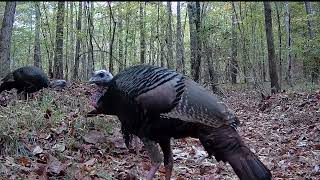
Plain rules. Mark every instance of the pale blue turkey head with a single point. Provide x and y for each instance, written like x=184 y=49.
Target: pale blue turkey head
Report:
x=101 y=77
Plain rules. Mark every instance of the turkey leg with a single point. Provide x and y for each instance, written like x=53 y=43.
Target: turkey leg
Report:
x=168 y=157
x=155 y=156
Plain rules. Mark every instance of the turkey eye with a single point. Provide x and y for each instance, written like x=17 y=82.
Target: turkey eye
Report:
x=101 y=75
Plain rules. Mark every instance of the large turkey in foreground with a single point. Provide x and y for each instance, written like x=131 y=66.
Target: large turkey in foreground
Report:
x=157 y=104
x=28 y=79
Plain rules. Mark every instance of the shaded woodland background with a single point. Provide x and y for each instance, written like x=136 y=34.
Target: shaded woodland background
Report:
x=213 y=42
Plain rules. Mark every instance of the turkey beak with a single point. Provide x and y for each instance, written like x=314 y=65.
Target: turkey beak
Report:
x=94 y=80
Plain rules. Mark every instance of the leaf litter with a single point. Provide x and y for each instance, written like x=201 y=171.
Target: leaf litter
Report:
x=49 y=137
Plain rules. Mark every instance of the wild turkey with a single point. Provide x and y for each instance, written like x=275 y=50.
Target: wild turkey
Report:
x=101 y=78
x=157 y=104
x=28 y=79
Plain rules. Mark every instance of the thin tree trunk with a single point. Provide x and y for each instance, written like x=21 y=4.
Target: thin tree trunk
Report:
x=142 y=36
x=271 y=53
x=112 y=33
x=195 y=63
x=180 y=45
x=234 y=63
x=289 y=48
x=30 y=57
x=158 y=34
x=309 y=21
x=280 y=43
x=71 y=54
x=120 y=49
x=126 y=40
x=50 y=61
x=264 y=73
x=85 y=44
x=90 y=30
x=315 y=63
x=103 y=64
x=37 y=57
x=66 y=71
x=245 y=55
x=77 y=58
x=169 y=37
x=46 y=39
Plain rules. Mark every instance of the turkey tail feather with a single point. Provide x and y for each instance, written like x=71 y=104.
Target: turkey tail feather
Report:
x=226 y=145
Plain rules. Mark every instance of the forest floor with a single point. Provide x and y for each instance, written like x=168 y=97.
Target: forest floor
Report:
x=48 y=137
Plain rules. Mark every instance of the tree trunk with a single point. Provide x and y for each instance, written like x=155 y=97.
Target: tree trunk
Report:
x=50 y=71
x=158 y=34
x=234 y=63
x=243 y=39
x=71 y=54
x=180 y=45
x=90 y=68
x=142 y=36
x=264 y=73
x=288 y=33
x=120 y=49
x=169 y=37
x=104 y=35
x=112 y=33
x=309 y=21
x=314 y=63
x=280 y=43
x=37 y=57
x=5 y=37
x=126 y=40
x=195 y=53
x=58 y=57
x=77 y=58
x=271 y=52
x=66 y=71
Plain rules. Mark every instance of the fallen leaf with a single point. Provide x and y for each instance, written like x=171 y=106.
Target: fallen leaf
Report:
x=59 y=130
x=59 y=147
x=24 y=161
x=90 y=162
x=37 y=150
x=94 y=137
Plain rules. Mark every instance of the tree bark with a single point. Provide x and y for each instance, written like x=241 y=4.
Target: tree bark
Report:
x=289 y=44
x=169 y=37
x=50 y=68
x=158 y=35
x=309 y=21
x=271 y=52
x=37 y=56
x=127 y=22
x=120 y=43
x=5 y=37
x=142 y=36
x=315 y=61
x=280 y=43
x=194 y=41
x=112 y=34
x=66 y=57
x=90 y=68
x=77 y=58
x=58 y=57
x=71 y=34
x=180 y=45
x=234 y=63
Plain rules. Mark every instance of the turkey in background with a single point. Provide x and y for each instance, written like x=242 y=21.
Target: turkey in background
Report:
x=29 y=79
